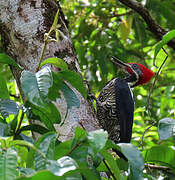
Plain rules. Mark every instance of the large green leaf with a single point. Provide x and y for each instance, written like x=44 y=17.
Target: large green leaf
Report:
x=48 y=114
x=8 y=107
x=97 y=139
x=57 y=62
x=70 y=97
x=112 y=163
x=46 y=145
x=166 y=38
x=8 y=165
x=166 y=128
x=135 y=159
x=59 y=85
x=75 y=80
x=4 y=94
x=62 y=149
x=162 y=154
x=7 y=60
x=36 y=86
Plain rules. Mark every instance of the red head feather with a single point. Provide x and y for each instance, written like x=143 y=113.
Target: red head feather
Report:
x=146 y=74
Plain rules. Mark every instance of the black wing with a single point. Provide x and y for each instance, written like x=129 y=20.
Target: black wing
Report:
x=125 y=109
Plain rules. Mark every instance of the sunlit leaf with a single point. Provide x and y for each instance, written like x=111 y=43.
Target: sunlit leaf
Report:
x=166 y=38
x=112 y=164
x=4 y=94
x=57 y=62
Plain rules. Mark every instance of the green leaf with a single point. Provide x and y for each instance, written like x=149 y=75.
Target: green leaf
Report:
x=21 y=143
x=4 y=94
x=55 y=22
x=135 y=159
x=79 y=133
x=62 y=149
x=46 y=145
x=35 y=128
x=26 y=171
x=166 y=128
x=75 y=80
x=4 y=129
x=166 y=38
x=48 y=114
x=62 y=165
x=162 y=154
x=44 y=175
x=57 y=62
x=13 y=124
x=80 y=153
x=70 y=97
x=88 y=172
x=8 y=165
x=112 y=163
x=7 y=60
x=54 y=90
x=8 y=107
x=97 y=139
x=36 y=86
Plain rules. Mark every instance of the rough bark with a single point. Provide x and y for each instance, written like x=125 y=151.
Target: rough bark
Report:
x=23 y=24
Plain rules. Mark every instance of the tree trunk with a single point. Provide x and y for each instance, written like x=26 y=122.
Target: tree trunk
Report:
x=23 y=24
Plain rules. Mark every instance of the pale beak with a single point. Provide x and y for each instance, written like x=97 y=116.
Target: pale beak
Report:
x=120 y=63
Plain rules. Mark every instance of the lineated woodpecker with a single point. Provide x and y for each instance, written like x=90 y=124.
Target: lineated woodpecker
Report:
x=115 y=104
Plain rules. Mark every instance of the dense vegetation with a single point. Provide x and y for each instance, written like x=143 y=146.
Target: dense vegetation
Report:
x=98 y=29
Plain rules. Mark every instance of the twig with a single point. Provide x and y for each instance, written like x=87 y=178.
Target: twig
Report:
x=19 y=125
x=141 y=143
x=76 y=145
x=157 y=167
x=149 y=96
x=155 y=28
x=122 y=14
x=109 y=170
x=157 y=74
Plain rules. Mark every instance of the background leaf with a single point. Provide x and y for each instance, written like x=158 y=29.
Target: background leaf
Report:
x=4 y=94
x=166 y=128
x=162 y=154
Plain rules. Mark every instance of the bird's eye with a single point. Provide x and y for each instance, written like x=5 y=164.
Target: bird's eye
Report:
x=134 y=66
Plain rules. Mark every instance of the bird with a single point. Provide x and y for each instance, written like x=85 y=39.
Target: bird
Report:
x=115 y=103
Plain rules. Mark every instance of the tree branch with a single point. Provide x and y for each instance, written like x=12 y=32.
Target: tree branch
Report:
x=155 y=28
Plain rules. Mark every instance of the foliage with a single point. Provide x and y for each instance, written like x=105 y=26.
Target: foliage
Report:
x=99 y=29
